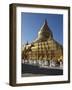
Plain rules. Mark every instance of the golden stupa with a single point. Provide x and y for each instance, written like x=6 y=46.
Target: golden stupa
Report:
x=44 y=47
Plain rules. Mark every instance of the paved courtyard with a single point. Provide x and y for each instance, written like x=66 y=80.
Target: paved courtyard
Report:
x=32 y=70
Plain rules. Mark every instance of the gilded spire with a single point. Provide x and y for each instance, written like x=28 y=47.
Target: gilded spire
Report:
x=44 y=32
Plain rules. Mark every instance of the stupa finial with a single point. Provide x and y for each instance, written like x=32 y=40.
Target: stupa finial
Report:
x=45 y=21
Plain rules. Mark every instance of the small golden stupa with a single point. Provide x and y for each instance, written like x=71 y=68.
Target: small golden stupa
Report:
x=44 y=47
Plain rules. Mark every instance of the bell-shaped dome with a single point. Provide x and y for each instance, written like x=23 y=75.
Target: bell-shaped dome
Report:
x=44 y=33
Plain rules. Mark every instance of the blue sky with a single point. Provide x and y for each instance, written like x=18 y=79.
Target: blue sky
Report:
x=31 y=23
